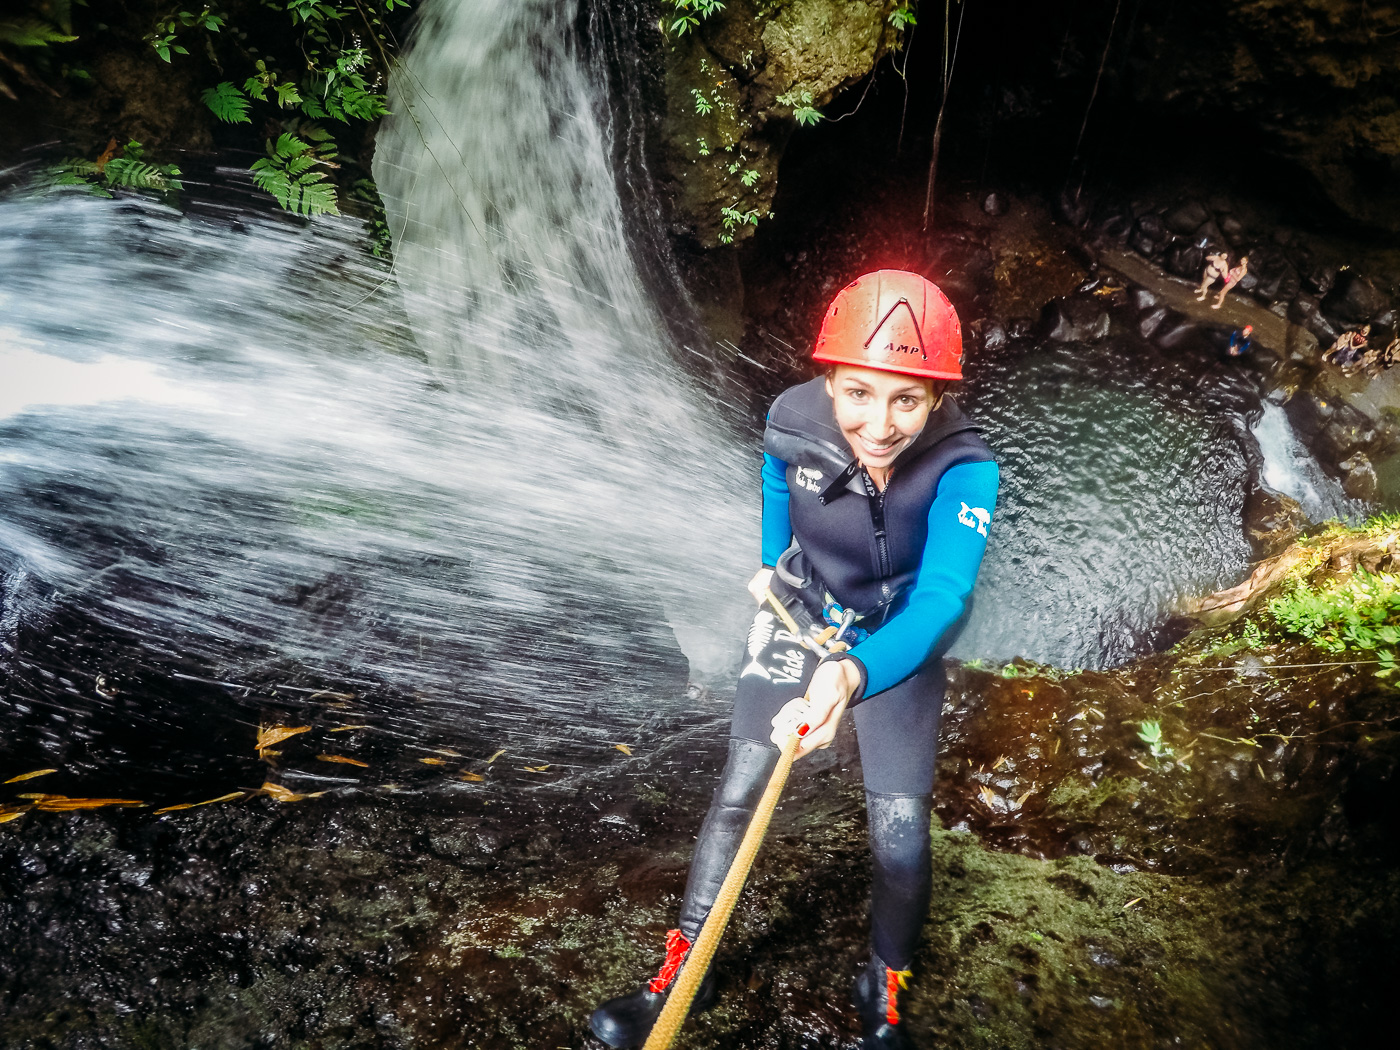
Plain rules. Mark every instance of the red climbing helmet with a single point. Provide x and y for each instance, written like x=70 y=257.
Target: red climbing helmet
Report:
x=895 y=321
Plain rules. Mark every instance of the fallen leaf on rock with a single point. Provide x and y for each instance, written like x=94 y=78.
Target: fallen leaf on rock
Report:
x=623 y=748
x=63 y=805
x=278 y=793
x=31 y=776
x=6 y=817
x=432 y=761
x=1022 y=800
x=497 y=755
x=988 y=796
x=332 y=695
x=471 y=778
x=207 y=802
x=999 y=763
x=346 y=729
x=535 y=769
x=343 y=760
x=447 y=751
x=1131 y=903
x=269 y=735
x=39 y=796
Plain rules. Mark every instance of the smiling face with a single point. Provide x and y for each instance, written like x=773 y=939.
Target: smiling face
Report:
x=879 y=413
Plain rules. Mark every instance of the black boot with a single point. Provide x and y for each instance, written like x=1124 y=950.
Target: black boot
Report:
x=627 y=1020
x=877 y=1001
x=741 y=785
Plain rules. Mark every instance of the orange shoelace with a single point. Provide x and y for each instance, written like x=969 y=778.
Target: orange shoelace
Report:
x=677 y=947
x=894 y=981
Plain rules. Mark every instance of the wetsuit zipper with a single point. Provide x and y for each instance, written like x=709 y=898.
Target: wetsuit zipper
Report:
x=877 y=520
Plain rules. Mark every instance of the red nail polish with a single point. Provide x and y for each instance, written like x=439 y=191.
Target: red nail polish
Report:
x=803 y=729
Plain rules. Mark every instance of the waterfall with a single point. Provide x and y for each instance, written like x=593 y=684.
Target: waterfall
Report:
x=1291 y=469
x=515 y=272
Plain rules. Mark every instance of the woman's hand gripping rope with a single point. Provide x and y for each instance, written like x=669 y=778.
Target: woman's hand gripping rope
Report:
x=814 y=717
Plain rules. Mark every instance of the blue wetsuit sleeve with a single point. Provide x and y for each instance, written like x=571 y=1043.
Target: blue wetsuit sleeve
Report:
x=777 y=526
x=957 y=539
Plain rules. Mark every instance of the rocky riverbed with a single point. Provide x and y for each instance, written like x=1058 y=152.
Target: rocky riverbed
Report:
x=1195 y=849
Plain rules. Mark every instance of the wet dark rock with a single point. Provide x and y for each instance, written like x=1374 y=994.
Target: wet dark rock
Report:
x=1332 y=427
x=1359 y=477
x=1354 y=300
x=1320 y=279
x=1020 y=327
x=1233 y=229
x=994 y=204
x=1209 y=237
x=1076 y=319
x=959 y=259
x=1114 y=221
x=1075 y=207
x=1153 y=319
x=1142 y=298
x=1302 y=347
x=1177 y=332
x=1306 y=310
x=1186 y=259
x=1186 y=218
x=1149 y=236
x=994 y=335
x=1275 y=278
x=1272 y=521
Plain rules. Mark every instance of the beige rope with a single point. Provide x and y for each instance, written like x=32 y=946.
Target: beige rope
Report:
x=673 y=1014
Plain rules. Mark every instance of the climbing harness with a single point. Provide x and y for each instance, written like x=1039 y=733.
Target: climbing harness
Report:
x=825 y=642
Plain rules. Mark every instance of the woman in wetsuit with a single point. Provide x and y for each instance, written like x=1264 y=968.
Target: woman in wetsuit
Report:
x=877 y=499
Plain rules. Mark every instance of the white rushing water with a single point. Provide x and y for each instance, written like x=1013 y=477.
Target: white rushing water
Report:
x=514 y=268
x=1291 y=469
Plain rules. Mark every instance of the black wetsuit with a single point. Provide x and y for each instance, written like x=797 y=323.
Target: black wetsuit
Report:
x=905 y=561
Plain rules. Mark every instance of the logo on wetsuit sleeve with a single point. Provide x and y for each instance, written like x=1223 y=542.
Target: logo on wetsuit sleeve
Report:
x=974 y=518
x=808 y=478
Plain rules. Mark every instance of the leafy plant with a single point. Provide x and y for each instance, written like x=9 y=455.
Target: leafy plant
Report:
x=731 y=219
x=749 y=177
x=702 y=104
x=39 y=25
x=127 y=170
x=902 y=17
x=163 y=37
x=227 y=103
x=380 y=239
x=1150 y=733
x=690 y=13
x=337 y=76
x=292 y=173
x=1361 y=612
x=801 y=104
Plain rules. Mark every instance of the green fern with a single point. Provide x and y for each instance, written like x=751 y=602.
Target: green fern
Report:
x=31 y=32
x=127 y=174
x=289 y=174
x=129 y=171
x=227 y=103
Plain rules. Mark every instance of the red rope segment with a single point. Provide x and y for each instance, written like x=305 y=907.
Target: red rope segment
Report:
x=677 y=948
